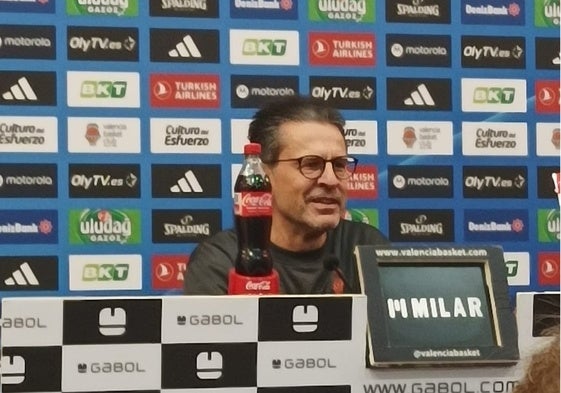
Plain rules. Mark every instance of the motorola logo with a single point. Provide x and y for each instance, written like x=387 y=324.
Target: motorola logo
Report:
x=27 y=42
x=250 y=91
x=406 y=181
x=418 y=50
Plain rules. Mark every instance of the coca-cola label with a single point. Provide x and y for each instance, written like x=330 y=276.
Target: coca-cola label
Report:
x=253 y=204
x=258 y=286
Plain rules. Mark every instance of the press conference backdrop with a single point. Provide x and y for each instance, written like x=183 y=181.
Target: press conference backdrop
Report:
x=122 y=125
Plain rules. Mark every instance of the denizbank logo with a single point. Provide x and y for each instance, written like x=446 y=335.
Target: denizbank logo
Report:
x=264 y=47
x=496 y=225
x=104 y=226
x=547 y=13
x=105 y=272
x=102 y=7
x=548 y=226
x=28 y=226
x=103 y=89
x=360 y=11
x=493 y=12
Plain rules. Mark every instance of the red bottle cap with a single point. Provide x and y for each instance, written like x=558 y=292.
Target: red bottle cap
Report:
x=252 y=148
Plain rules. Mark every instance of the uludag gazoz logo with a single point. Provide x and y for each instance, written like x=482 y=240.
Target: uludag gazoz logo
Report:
x=105 y=226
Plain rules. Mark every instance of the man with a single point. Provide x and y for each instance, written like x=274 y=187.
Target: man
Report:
x=305 y=157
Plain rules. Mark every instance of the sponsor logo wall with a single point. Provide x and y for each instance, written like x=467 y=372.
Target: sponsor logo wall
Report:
x=122 y=125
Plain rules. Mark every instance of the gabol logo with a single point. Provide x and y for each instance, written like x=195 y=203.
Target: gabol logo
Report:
x=112 y=321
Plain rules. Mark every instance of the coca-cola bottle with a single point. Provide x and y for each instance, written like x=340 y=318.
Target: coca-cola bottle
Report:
x=253 y=271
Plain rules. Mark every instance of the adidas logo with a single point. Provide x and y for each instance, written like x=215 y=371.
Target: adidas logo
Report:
x=185 y=48
x=420 y=97
x=23 y=276
x=21 y=91
x=188 y=183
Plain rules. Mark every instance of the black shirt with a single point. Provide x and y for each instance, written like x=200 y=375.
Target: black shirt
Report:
x=299 y=272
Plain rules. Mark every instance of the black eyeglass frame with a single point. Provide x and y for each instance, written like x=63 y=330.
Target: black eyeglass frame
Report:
x=353 y=161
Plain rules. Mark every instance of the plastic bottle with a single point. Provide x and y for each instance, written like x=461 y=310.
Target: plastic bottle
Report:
x=252 y=216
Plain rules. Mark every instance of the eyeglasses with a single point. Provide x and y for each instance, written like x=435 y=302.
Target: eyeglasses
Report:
x=312 y=167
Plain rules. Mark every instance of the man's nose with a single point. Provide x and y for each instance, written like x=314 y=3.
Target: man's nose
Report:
x=328 y=176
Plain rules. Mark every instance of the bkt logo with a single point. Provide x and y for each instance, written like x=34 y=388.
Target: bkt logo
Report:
x=103 y=89
x=209 y=365
x=264 y=47
x=112 y=321
x=105 y=272
x=494 y=95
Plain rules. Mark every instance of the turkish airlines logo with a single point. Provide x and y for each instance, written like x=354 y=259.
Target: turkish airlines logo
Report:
x=185 y=91
x=547 y=96
x=168 y=271
x=548 y=268
x=341 y=49
x=363 y=184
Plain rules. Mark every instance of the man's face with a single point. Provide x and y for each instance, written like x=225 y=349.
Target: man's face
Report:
x=302 y=205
